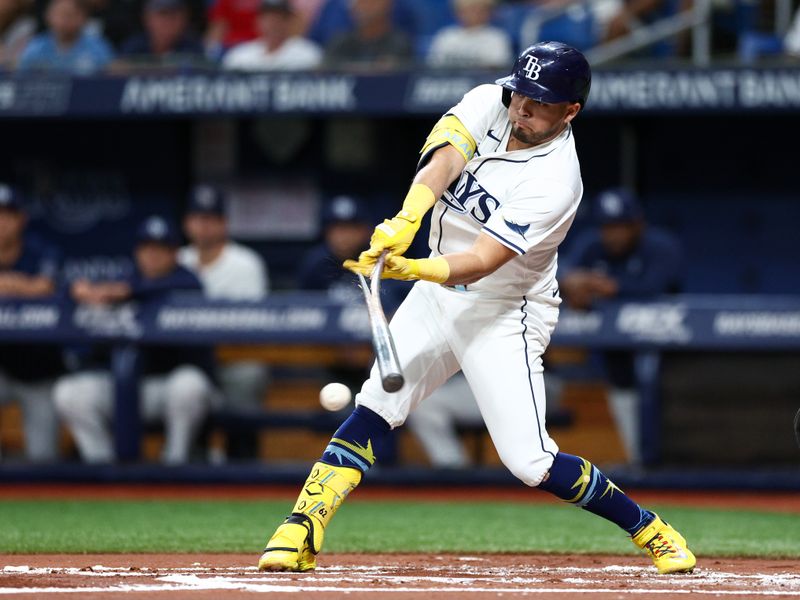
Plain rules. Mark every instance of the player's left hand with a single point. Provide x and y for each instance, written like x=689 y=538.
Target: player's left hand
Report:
x=361 y=266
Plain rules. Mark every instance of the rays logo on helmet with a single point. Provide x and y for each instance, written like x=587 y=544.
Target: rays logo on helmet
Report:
x=532 y=68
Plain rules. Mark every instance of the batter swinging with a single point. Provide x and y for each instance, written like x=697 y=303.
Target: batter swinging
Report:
x=502 y=175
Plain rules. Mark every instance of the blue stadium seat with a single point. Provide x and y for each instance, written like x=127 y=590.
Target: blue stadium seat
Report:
x=415 y=17
x=753 y=45
x=576 y=27
x=426 y=18
x=510 y=18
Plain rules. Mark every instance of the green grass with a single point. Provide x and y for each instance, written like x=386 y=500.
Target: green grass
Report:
x=243 y=526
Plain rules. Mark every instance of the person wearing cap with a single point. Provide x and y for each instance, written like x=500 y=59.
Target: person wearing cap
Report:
x=500 y=176
x=228 y=271
x=66 y=45
x=177 y=385
x=473 y=41
x=346 y=226
x=276 y=47
x=167 y=35
x=622 y=258
x=29 y=270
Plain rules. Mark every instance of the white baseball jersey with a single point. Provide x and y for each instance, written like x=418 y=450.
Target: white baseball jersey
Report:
x=495 y=330
x=239 y=273
x=525 y=199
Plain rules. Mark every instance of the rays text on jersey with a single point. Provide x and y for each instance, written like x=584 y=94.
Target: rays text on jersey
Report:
x=469 y=197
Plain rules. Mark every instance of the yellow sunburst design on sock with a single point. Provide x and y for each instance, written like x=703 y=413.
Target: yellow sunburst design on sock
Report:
x=610 y=487
x=582 y=483
x=364 y=452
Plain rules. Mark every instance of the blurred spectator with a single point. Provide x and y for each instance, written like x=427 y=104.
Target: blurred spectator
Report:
x=230 y=22
x=307 y=12
x=177 y=384
x=167 y=36
x=347 y=226
x=276 y=47
x=115 y=20
x=17 y=27
x=791 y=41
x=229 y=271
x=629 y=16
x=28 y=270
x=623 y=258
x=374 y=44
x=633 y=14
x=334 y=17
x=66 y=45
x=473 y=42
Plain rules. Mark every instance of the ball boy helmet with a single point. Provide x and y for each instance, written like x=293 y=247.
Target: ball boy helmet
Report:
x=550 y=72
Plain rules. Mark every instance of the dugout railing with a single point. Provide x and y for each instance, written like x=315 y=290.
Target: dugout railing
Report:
x=739 y=326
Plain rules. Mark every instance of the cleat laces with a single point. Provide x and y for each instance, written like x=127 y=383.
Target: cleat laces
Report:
x=661 y=546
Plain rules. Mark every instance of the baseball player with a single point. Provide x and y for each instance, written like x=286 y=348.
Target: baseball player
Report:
x=177 y=385
x=501 y=173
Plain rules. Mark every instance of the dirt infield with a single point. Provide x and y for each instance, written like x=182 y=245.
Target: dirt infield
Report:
x=388 y=576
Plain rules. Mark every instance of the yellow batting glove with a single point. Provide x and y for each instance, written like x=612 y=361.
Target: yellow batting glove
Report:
x=396 y=234
x=410 y=269
x=359 y=266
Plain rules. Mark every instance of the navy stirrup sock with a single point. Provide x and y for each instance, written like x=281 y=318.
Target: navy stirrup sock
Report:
x=579 y=482
x=358 y=440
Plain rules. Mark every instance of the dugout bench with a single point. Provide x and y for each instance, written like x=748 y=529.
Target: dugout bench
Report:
x=287 y=325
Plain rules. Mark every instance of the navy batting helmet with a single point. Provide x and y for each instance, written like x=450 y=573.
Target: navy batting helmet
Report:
x=550 y=72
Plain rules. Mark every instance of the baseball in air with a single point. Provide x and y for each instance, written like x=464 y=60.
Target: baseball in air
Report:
x=335 y=396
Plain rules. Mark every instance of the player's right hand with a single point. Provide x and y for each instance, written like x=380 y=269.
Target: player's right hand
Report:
x=393 y=235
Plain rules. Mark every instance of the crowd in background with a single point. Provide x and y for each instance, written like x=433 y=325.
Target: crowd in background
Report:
x=89 y=36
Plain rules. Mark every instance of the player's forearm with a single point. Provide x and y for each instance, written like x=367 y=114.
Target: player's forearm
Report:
x=466 y=268
x=23 y=286
x=442 y=169
x=458 y=268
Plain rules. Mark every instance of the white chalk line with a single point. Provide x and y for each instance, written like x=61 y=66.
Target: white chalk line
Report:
x=484 y=579
x=273 y=589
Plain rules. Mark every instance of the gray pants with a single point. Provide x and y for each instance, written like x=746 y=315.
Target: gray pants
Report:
x=244 y=384
x=39 y=419
x=181 y=399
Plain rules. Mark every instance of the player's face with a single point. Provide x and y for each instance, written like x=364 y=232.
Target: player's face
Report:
x=273 y=24
x=12 y=222
x=534 y=122
x=619 y=239
x=346 y=240
x=155 y=259
x=205 y=230
x=66 y=19
x=166 y=26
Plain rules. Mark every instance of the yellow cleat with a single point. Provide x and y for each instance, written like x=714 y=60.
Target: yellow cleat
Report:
x=666 y=547
x=295 y=544
x=288 y=549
